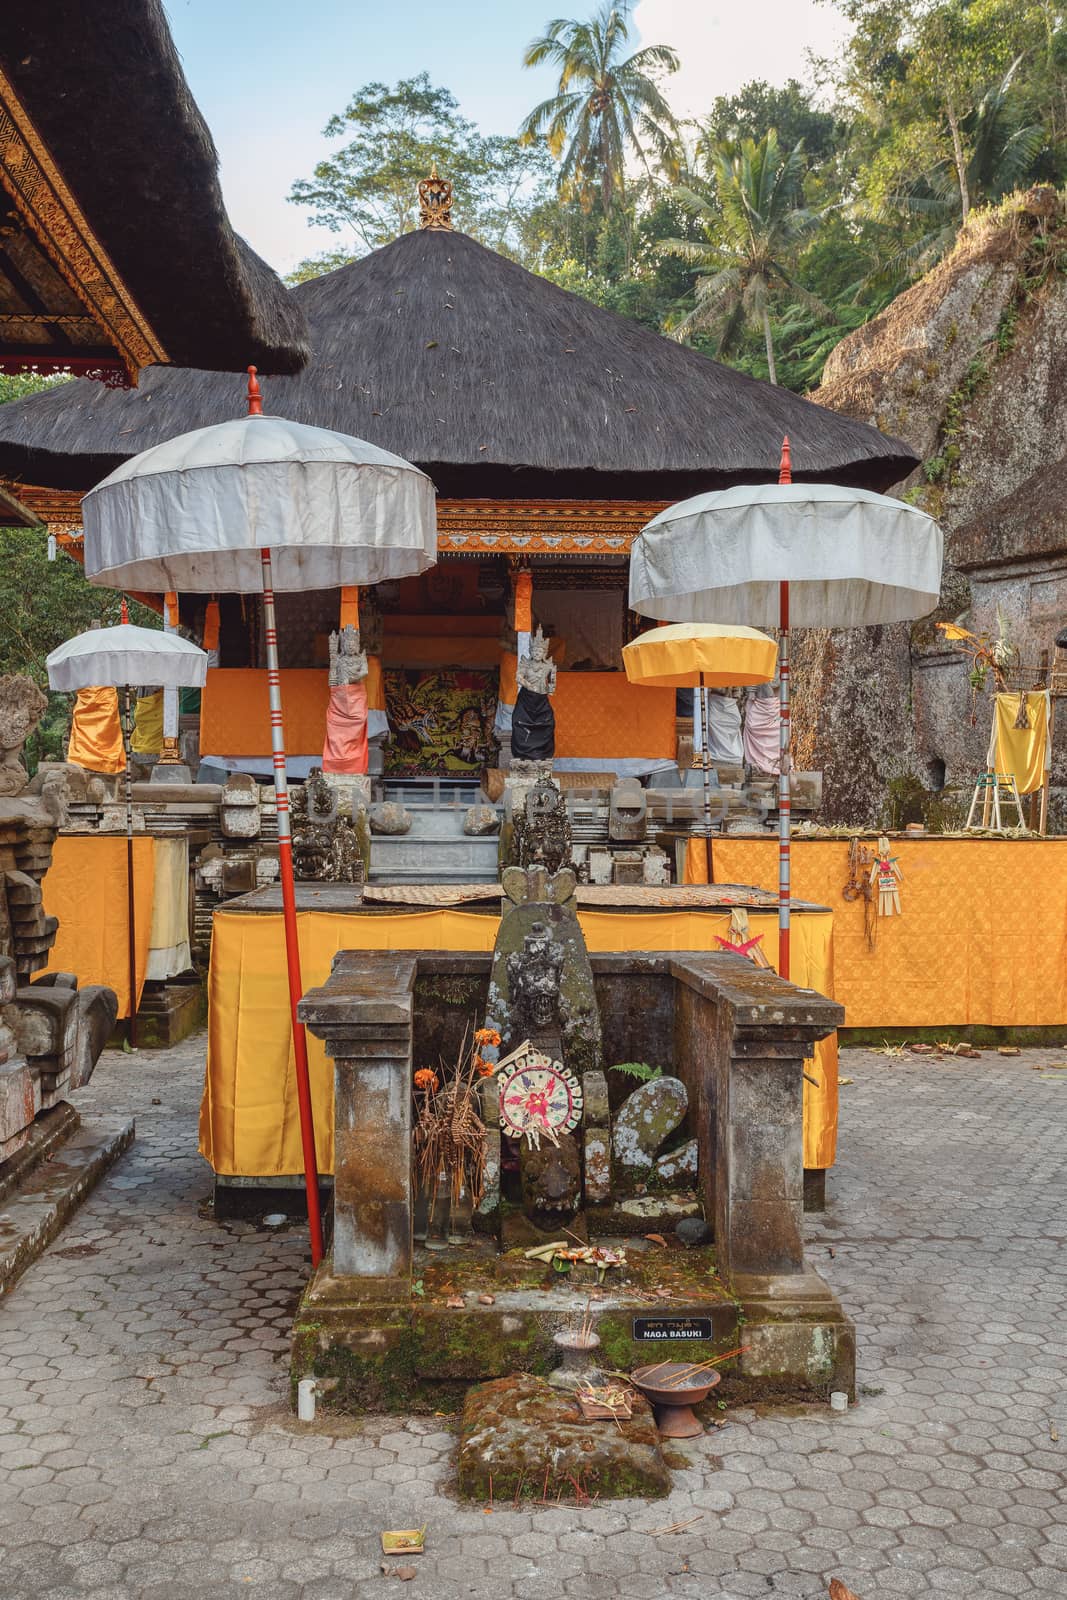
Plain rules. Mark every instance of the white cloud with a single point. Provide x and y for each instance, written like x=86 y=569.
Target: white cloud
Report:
x=723 y=43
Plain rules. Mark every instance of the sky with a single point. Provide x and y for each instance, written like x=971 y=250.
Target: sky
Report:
x=267 y=74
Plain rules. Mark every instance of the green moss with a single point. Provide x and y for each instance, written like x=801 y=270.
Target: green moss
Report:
x=480 y=1344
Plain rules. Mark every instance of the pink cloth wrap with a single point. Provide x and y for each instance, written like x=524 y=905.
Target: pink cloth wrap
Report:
x=345 y=749
x=762 y=736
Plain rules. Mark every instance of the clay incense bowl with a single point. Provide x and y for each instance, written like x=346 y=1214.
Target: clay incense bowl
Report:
x=673 y=1401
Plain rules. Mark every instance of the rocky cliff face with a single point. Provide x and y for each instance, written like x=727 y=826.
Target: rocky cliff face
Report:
x=970 y=366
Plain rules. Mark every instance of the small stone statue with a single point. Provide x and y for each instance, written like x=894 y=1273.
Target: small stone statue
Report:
x=533 y=723
x=348 y=661
x=22 y=705
x=326 y=846
x=537 y=672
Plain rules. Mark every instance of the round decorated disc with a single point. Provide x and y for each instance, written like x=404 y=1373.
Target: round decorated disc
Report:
x=540 y=1093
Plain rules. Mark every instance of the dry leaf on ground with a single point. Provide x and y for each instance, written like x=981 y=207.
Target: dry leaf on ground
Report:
x=841 y=1591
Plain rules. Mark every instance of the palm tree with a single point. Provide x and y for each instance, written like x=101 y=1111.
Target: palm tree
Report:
x=605 y=105
x=753 y=219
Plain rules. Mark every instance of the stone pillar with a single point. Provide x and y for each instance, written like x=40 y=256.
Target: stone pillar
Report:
x=363 y=1014
x=742 y=1035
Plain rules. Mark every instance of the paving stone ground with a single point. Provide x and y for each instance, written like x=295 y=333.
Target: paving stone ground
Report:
x=145 y=1448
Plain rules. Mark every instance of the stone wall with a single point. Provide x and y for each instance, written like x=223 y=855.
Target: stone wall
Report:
x=970 y=366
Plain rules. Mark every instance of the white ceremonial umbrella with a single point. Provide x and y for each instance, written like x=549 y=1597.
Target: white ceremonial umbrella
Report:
x=810 y=555
x=119 y=657
x=246 y=507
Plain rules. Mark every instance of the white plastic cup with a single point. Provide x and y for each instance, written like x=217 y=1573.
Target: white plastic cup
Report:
x=305 y=1399
x=838 y=1401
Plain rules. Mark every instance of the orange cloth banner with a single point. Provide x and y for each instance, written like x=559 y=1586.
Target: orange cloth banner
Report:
x=523 y=602
x=349 y=617
x=248 y=1116
x=982 y=937
x=212 y=625
x=346 y=748
x=374 y=684
x=602 y=714
x=598 y=714
x=85 y=887
x=96 y=732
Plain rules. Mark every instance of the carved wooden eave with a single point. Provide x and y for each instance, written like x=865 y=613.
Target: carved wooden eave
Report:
x=464 y=527
x=53 y=219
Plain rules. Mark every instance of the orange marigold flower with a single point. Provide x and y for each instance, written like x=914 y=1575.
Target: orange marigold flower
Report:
x=426 y=1078
x=486 y=1036
x=485 y=1069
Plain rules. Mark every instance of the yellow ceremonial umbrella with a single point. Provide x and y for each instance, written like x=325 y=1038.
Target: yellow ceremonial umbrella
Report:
x=701 y=655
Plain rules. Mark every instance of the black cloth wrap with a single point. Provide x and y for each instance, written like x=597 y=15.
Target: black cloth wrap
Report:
x=533 y=727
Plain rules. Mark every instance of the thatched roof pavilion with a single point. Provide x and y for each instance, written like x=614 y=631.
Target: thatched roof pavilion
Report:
x=115 y=247
x=497 y=383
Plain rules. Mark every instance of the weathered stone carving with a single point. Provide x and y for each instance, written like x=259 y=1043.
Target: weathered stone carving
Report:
x=326 y=844
x=534 y=977
x=542 y=829
x=22 y=705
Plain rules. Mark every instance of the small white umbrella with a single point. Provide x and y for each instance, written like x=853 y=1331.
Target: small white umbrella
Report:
x=245 y=507
x=810 y=555
x=118 y=657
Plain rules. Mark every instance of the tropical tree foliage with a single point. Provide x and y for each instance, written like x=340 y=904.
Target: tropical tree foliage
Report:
x=608 y=106
x=753 y=222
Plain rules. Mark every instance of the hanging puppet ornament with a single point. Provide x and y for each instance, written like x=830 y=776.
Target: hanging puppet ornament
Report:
x=886 y=874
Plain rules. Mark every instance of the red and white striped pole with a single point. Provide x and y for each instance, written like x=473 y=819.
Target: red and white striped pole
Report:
x=785 y=475
x=285 y=872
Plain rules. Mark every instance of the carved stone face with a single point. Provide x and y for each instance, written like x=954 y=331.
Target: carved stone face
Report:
x=542 y=801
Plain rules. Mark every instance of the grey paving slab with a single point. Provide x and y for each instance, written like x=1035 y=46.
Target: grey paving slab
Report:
x=146 y=1450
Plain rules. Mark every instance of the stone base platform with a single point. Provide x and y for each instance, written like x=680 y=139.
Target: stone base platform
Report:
x=523 y=1440
x=473 y=1314
x=60 y=1165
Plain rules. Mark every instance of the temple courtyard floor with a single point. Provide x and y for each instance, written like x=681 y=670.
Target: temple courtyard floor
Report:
x=146 y=1448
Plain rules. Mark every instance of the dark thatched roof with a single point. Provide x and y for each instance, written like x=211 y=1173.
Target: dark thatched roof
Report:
x=102 y=84
x=1027 y=524
x=494 y=381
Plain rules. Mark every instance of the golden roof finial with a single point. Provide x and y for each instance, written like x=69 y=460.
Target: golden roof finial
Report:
x=435 y=201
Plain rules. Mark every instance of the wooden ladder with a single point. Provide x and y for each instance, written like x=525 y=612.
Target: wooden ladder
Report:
x=992 y=791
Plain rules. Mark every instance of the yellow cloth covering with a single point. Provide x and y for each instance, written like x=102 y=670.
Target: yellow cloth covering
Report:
x=601 y=714
x=1023 y=752
x=85 y=887
x=168 y=942
x=248 y=1117
x=982 y=937
x=96 y=732
x=147 y=737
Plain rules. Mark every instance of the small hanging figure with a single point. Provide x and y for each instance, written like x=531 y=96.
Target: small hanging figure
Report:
x=886 y=874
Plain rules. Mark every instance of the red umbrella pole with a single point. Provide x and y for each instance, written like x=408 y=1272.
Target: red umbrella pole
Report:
x=785 y=475
x=131 y=913
x=292 y=947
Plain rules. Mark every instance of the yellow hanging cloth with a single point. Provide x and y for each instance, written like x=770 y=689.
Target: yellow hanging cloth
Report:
x=148 y=724
x=95 y=731
x=1024 y=752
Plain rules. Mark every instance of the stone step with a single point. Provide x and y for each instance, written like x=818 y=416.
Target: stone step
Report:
x=36 y=1213
x=407 y=858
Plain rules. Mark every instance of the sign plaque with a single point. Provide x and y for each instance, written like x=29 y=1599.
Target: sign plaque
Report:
x=664 y=1329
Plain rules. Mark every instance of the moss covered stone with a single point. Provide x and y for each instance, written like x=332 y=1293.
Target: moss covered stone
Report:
x=531 y=1442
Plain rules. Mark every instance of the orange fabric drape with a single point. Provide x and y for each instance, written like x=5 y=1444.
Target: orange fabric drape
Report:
x=211 y=626
x=96 y=732
x=346 y=748
x=349 y=617
x=85 y=887
x=524 y=602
